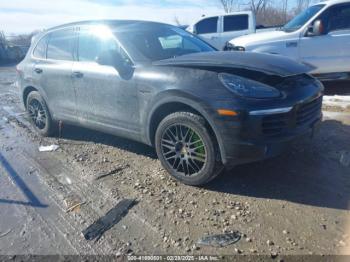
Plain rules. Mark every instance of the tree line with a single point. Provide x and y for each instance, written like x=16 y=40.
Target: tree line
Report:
x=267 y=12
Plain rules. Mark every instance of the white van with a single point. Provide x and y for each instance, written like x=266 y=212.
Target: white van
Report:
x=319 y=36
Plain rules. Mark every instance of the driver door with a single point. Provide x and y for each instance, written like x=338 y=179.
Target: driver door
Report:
x=104 y=98
x=330 y=51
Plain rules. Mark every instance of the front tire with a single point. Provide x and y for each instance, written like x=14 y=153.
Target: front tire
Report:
x=39 y=114
x=187 y=149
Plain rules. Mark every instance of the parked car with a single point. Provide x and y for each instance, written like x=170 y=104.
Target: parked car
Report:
x=218 y=30
x=319 y=36
x=201 y=109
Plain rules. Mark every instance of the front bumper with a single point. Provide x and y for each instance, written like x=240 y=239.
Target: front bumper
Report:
x=266 y=134
x=250 y=152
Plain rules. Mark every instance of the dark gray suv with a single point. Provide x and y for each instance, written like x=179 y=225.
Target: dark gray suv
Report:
x=203 y=110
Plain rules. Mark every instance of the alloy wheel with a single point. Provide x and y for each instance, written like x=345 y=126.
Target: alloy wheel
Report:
x=183 y=149
x=37 y=114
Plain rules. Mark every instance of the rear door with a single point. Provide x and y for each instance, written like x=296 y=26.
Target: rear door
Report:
x=234 y=26
x=104 y=99
x=329 y=52
x=52 y=69
x=209 y=30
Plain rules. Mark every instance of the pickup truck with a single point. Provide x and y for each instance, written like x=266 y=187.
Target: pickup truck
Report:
x=218 y=30
x=319 y=37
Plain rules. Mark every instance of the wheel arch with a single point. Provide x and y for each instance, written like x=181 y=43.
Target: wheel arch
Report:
x=27 y=90
x=178 y=104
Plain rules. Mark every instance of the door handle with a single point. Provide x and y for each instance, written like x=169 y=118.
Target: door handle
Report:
x=38 y=70
x=77 y=74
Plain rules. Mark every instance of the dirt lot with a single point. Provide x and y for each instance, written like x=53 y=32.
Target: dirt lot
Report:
x=297 y=203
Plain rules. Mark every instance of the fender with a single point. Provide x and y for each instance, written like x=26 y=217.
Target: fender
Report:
x=176 y=96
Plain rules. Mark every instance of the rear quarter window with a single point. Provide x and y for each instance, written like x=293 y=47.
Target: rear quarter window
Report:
x=40 y=48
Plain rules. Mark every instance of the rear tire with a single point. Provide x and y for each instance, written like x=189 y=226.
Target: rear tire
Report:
x=39 y=114
x=187 y=149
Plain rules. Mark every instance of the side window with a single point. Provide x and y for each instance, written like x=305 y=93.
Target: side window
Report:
x=207 y=26
x=339 y=18
x=91 y=45
x=94 y=41
x=61 y=45
x=41 y=47
x=235 y=23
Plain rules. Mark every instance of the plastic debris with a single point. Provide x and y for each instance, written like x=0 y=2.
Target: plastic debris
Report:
x=72 y=208
x=51 y=148
x=6 y=120
x=98 y=228
x=220 y=240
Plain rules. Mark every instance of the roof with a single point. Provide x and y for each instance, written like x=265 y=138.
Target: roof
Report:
x=332 y=2
x=105 y=22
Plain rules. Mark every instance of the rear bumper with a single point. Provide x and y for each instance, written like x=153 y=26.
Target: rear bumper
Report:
x=267 y=134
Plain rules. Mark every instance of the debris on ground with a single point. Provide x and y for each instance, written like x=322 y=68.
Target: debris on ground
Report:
x=98 y=228
x=6 y=120
x=70 y=209
x=50 y=148
x=6 y=233
x=73 y=203
x=112 y=172
x=220 y=240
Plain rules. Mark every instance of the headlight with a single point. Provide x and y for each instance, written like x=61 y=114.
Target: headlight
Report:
x=232 y=47
x=248 y=88
x=238 y=48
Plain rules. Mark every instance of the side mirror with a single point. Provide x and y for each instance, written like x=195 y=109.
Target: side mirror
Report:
x=114 y=59
x=317 y=28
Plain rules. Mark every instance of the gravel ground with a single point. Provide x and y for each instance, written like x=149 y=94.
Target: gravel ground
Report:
x=297 y=203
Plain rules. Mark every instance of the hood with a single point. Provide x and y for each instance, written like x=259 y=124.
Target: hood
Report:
x=265 y=63
x=257 y=38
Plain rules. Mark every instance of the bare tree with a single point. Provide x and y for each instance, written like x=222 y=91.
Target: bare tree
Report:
x=257 y=6
x=177 y=21
x=301 y=5
x=228 y=5
x=285 y=10
x=272 y=16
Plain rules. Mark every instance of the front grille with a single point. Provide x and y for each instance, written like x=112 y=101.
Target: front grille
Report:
x=302 y=115
x=308 y=112
x=274 y=124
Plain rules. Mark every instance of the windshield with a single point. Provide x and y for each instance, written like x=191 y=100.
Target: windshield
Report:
x=157 y=42
x=302 y=18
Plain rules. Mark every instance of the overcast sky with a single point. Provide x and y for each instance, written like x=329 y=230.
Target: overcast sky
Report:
x=24 y=16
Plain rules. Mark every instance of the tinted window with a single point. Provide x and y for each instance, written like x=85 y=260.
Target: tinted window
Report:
x=61 y=45
x=40 y=49
x=161 y=42
x=206 y=26
x=93 y=42
x=339 y=18
x=235 y=23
